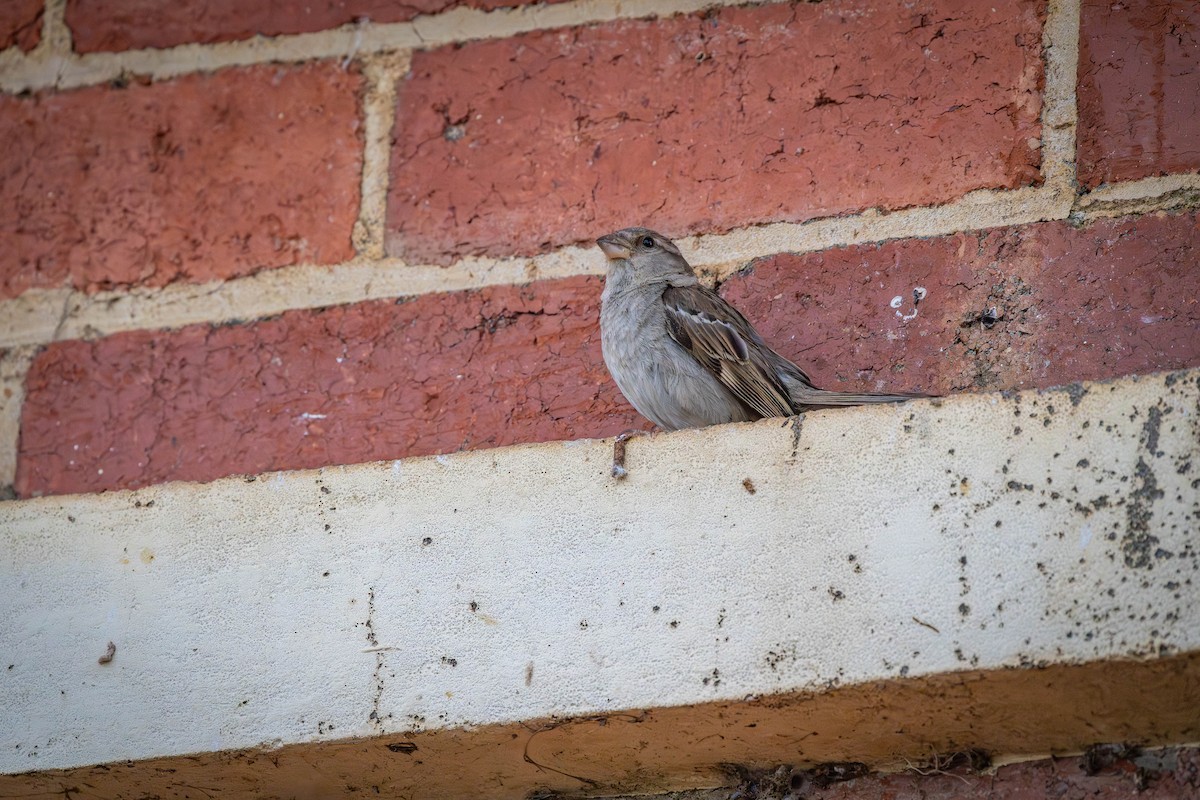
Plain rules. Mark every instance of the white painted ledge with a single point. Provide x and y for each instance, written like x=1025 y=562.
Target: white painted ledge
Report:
x=1018 y=573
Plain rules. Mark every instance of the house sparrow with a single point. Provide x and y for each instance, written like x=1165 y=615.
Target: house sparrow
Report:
x=683 y=356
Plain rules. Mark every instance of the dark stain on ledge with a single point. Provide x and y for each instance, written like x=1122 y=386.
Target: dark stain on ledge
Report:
x=1138 y=544
x=1076 y=392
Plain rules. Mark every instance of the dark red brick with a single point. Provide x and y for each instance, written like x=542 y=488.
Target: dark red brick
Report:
x=522 y=364
x=712 y=121
x=1139 y=90
x=1119 y=297
x=203 y=177
x=21 y=24
x=353 y=383
x=109 y=25
x=1110 y=773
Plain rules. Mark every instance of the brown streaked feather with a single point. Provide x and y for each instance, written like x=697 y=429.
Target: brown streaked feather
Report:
x=727 y=345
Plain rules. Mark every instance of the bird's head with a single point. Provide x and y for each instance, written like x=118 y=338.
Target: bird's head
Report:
x=646 y=255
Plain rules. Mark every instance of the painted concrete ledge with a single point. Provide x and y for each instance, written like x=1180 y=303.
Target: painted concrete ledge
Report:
x=1019 y=574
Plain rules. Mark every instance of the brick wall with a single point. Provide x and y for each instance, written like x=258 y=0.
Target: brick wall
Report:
x=353 y=231
x=287 y=235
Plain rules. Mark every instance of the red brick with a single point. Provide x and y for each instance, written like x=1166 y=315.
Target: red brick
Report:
x=109 y=25
x=522 y=364
x=203 y=177
x=1112 y=773
x=712 y=121
x=353 y=383
x=1119 y=297
x=1139 y=90
x=21 y=24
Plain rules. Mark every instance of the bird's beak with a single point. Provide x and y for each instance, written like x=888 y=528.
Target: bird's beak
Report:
x=614 y=247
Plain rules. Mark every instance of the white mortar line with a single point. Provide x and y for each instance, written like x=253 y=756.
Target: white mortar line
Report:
x=379 y=113
x=1141 y=196
x=45 y=315
x=722 y=254
x=14 y=366
x=61 y=69
x=56 y=36
x=1060 y=49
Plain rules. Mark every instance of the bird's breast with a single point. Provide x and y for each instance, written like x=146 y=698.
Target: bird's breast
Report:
x=657 y=376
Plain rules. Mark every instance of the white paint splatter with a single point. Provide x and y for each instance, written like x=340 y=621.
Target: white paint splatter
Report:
x=1085 y=535
x=307 y=415
x=919 y=293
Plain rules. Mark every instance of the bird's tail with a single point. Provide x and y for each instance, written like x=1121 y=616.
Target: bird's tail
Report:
x=806 y=396
x=822 y=398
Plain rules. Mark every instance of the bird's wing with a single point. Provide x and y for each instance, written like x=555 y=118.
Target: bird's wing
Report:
x=727 y=345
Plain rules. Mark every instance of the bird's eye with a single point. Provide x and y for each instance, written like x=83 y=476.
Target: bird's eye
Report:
x=647 y=242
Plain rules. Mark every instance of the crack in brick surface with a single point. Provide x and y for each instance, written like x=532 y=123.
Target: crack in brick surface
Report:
x=311 y=388
x=199 y=178
x=21 y=24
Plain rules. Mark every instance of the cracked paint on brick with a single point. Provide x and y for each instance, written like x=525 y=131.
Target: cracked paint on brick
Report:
x=370 y=381
x=194 y=179
x=710 y=122
x=21 y=24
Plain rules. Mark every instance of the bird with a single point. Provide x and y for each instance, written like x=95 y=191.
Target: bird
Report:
x=683 y=356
